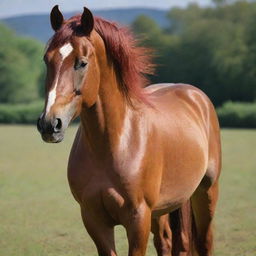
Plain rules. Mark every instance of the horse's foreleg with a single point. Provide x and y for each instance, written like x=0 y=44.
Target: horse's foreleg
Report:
x=137 y=225
x=162 y=235
x=100 y=231
x=204 y=204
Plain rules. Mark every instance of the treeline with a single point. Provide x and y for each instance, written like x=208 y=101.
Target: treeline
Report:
x=21 y=68
x=212 y=48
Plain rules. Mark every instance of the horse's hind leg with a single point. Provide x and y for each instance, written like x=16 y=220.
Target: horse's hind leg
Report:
x=160 y=227
x=203 y=204
x=101 y=232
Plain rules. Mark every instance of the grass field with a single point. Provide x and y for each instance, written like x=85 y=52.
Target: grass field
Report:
x=38 y=215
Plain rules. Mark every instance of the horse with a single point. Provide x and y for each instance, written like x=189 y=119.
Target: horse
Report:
x=147 y=157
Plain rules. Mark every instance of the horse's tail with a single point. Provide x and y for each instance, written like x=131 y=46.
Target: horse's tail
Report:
x=183 y=230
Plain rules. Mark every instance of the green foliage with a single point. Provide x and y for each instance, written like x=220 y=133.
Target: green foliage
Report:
x=21 y=113
x=41 y=82
x=240 y=115
x=212 y=48
x=219 y=2
x=151 y=34
x=20 y=67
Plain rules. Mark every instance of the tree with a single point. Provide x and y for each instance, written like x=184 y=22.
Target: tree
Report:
x=212 y=48
x=20 y=67
x=220 y=2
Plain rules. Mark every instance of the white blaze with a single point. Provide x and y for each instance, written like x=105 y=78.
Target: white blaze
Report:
x=64 y=51
x=51 y=97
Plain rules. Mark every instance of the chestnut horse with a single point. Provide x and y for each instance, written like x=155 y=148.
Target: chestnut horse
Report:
x=145 y=158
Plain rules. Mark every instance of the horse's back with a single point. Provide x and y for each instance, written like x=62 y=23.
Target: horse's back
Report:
x=184 y=99
x=187 y=92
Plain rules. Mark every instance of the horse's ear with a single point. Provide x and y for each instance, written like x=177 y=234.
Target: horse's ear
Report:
x=56 y=18
x=87 y=21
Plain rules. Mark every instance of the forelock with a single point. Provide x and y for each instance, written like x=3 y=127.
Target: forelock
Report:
x=70 y=28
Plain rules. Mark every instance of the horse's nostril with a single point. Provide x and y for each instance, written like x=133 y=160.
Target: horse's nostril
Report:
x=58 y=125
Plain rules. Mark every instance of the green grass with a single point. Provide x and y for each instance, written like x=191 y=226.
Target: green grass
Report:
x=38 y=215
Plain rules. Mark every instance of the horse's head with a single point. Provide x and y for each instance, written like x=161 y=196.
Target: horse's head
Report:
x=72 y=73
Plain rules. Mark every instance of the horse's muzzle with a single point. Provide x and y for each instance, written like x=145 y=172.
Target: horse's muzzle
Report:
x=50 y=129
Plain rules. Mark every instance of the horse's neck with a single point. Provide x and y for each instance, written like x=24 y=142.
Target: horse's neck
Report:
x=102 y=124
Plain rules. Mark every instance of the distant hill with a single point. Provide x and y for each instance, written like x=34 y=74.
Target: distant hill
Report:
x=38 y=26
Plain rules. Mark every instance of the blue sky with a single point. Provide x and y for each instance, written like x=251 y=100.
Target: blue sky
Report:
x=18 y=7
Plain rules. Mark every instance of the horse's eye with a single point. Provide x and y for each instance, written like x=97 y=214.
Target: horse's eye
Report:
x=83 y=64
x=80 y=64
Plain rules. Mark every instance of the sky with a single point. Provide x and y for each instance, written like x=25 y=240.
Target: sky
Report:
x=19 y=7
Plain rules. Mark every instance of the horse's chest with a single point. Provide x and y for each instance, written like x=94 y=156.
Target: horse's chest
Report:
x=101 y=192
x=91 y=184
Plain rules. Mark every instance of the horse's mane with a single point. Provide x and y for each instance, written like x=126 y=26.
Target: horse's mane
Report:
x=131 y=62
